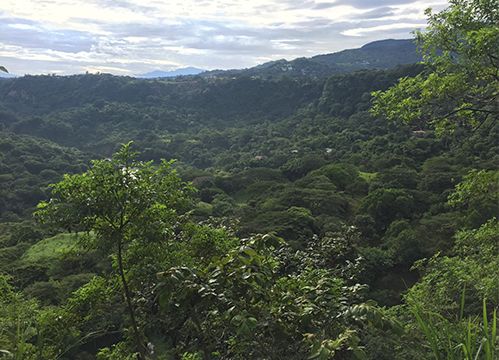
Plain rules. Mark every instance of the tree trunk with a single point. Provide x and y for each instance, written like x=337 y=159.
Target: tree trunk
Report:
x=128 y=297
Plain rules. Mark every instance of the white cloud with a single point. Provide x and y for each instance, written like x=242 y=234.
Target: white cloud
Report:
x=125 y=36
x=362 y=31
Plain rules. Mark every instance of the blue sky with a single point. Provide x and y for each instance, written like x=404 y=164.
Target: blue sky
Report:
x=129 y=37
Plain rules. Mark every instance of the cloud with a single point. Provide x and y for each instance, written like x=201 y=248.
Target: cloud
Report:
x=362 y=31
x=131 y=37
x=373 y=3
x=381 y=12
x=30 y=34
x=324 y=5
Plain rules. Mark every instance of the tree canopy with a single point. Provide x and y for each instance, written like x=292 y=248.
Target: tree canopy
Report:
x=460 y=86
x=126 y=204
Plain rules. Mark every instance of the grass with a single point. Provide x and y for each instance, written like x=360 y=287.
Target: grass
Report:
x=476 y=340
x=368 y=177
x=50 y=248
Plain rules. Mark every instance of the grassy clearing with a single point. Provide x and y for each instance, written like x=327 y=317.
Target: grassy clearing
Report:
x=367 y=176
x=50 y=248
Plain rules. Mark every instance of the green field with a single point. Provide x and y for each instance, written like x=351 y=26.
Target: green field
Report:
x=52 y=248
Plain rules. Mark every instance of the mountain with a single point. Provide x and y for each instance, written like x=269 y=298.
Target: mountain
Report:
x=383 y=54
x=173 y=73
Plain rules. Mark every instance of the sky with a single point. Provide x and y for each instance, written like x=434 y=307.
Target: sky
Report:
x=131 y=37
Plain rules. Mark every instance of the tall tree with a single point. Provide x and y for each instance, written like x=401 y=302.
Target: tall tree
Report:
x=461 y=84
x=127 y=204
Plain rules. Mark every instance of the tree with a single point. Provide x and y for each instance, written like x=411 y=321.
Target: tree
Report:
x=127 y=204
x=477 y=195
x=461 y=84
x=387 y=205
x=18 y=322
x=458 y=297
x=250 y=304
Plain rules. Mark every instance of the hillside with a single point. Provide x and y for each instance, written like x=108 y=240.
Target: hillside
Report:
x=254 y=147
x=384 y=54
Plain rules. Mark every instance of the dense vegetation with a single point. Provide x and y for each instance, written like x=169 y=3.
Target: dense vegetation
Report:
x=301 y=220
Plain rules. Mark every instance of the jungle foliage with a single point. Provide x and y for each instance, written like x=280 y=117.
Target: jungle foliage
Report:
x=300 y=220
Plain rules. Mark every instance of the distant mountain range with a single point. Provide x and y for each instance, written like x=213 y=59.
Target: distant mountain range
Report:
x=173 y=73
x=382 y=54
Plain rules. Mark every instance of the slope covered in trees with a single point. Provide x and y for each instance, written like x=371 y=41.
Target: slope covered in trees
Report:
x=300 y=219
x=383 y=54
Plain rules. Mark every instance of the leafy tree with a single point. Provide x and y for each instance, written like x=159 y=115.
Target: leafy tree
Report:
x=387 y=205
x=297 y=167
x=17 y=323
x=457 y=295
x=477 y=195
x=128 y=204
x=242 y=306
x=461 y=84
x=341 y=175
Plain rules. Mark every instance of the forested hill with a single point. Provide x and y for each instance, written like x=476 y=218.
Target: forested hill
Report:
x=245 y=93
x=96 y=112
x=127 y=261
x=383 y=54
x=221 y=97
